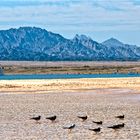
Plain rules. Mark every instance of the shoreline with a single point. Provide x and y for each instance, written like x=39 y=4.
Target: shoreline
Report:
x=60 y=85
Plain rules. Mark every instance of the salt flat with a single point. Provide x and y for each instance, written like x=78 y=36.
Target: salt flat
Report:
x=98 y=98
x=100 y=104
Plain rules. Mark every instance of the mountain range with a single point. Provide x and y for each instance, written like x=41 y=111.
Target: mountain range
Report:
x=36 y=44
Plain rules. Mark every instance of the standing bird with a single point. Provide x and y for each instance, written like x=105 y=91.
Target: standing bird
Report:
x=120 y=116
x=69 y=127
x=36 y=118
x=52 y=118
x=118 y=126
x=121 y=125
x=83 y=117
x=100 y=122
x=96 y=130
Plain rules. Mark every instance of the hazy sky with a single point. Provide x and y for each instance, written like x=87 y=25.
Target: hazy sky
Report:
x=99 y=19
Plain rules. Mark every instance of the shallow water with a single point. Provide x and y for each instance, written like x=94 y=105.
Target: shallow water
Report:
x=65 y=76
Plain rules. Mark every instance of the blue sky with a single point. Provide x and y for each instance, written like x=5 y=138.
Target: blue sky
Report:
x=99 y=19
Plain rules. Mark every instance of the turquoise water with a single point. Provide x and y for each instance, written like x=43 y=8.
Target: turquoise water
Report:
x=65 y=76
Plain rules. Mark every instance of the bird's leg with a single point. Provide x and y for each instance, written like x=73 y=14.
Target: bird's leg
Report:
x=38 y=122
x=53 y=121
x=69 y=131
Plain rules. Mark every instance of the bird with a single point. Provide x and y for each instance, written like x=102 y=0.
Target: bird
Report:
x=82 y=117
x=52 y=118
x=96 y=130
x=120 y=116
x=118 y=126
x=100 y=122
x=36 y=118
x=121 y=125
x=69 y=127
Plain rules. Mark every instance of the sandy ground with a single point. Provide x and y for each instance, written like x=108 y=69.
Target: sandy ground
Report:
x=100 y=99
x=16 y=110
x=54 y=85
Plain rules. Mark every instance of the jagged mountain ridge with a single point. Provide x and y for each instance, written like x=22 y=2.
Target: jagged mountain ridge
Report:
x=124 y=50
x=32 y=43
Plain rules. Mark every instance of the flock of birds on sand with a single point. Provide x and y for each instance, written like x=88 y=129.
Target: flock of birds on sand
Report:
x=96 y=130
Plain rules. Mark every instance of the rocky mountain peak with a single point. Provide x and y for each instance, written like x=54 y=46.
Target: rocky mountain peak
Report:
x=113 y=42
x=82 y=37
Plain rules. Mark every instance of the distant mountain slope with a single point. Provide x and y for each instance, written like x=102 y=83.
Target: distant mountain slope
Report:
x=31 y=43
x=123 y=51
